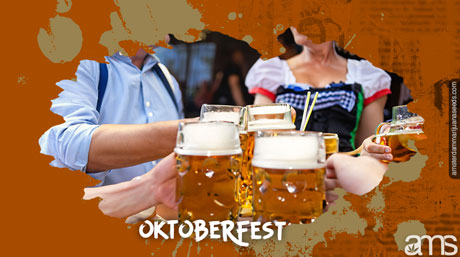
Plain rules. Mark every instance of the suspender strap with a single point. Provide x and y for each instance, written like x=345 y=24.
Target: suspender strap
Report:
x=102 y=85
x=103 y=76
x=156 y=68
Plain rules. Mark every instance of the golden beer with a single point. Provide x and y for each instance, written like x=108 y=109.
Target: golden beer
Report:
x=238 y=116
x=245 y=182
x=406 y=128
x=288 y=195
x=206 y=187
x=399 y=143
x=331 y=141
x=262 y=117
x=289 y=170
x=208 y=170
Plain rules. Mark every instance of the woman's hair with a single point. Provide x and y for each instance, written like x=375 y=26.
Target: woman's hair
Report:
x=287 y=40
x=345 y=54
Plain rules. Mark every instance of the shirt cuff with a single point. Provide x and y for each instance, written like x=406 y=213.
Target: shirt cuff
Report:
x=82 y=150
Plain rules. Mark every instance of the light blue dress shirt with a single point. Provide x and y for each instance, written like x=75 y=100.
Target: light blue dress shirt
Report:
x=132 y=96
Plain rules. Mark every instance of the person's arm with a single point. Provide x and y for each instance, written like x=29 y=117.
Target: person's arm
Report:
x=235 y=89
x=263 y=79
x=69 y=142
x=81 y=144
x=371 y=117
x=262 y=99
x=215 y=84
x=128 y=198
x=117 y=146
x=357 y=175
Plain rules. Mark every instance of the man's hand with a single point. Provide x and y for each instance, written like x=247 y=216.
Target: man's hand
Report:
x=164 y=175
x=128 y=198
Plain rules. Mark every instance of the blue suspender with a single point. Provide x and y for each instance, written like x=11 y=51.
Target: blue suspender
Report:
x=102 y=85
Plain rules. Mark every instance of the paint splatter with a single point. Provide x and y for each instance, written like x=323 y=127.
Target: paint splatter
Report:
x=62 y=41
x=146 y=21
x=63 y=6
x=248 y=39
x=232 y=16
x=22 y=80
x=302 y=238
x=411 y=227
x=349 y=41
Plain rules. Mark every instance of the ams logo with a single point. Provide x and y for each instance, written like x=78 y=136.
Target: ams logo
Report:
x=447 y=249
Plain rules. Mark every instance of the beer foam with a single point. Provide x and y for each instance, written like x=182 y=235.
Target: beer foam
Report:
x=269 y=109
x=287 y=152
x=208 y=138
x=330 y=136
x=403 y=132
x=264 y=124
x=222 y=116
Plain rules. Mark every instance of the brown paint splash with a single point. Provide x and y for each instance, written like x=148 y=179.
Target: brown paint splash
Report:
x=62 y=42
x=43 y=205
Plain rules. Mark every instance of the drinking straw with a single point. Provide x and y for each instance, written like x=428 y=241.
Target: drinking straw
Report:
x=304 y=115
x=310 y=110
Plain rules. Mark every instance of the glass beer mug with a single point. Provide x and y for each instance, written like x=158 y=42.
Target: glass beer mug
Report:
x=208 y=167
x=238 y=116
x=289 y=168
x=331 y=141
x=276 y=116
x=404 y=129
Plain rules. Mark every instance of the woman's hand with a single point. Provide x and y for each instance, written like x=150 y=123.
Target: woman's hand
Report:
x=377 y=151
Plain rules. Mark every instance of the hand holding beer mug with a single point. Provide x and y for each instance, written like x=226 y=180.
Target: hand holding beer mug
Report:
x=289 y=171
x=404 y=128
x=208 y=166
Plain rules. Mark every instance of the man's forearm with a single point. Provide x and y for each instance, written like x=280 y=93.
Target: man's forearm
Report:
x=116 y=146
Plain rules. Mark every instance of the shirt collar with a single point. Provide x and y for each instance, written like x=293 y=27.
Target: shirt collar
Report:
x=150 y=61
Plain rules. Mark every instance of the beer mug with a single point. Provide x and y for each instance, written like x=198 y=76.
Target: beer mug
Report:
x=230 y=113
x=397 y=134
x=289 y=170
x=237 y=115
x=208 y=167
x=270 y=116
x=275 y=116
x=331 y=141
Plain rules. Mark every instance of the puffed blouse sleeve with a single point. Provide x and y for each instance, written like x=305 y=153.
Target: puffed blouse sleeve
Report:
x=375 y=81
x=265 y=77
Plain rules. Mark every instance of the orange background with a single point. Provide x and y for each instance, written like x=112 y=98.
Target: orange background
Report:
x=43 y=213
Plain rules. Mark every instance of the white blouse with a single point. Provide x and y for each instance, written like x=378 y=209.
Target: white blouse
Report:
x=265 y=77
